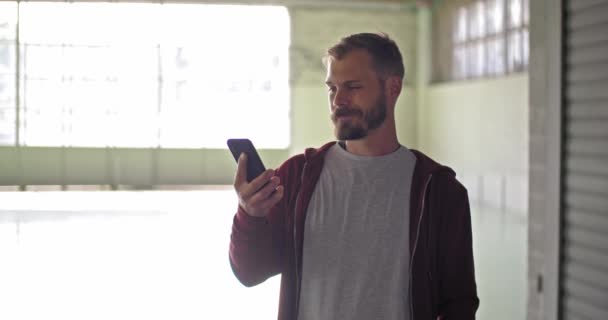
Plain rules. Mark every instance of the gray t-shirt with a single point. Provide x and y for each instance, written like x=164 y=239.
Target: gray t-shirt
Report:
x=356 y=238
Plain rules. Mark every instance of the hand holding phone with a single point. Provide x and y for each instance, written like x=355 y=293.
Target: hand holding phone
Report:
x=255 y=167
x=258 y=189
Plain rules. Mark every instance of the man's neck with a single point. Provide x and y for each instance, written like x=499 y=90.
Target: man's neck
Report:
x=375 y=144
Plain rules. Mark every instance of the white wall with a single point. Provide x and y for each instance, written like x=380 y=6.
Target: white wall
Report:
x=480 y=129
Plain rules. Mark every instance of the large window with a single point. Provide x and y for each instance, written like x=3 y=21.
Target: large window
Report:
x=483 y=38
x=143 y=75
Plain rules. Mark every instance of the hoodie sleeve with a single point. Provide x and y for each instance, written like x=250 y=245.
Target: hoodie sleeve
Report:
x=457 y=289
x=257 y=243
x=251 y=250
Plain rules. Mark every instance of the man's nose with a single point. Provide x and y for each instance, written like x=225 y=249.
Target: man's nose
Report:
x=341 y=98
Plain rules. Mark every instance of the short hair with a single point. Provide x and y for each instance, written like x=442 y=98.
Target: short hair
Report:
x=385 y=54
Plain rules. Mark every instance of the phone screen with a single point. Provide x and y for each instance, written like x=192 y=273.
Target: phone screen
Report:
x=255 y=167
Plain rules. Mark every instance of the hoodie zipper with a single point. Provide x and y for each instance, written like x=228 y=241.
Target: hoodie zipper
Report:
x=295 y=240
x=426 y=184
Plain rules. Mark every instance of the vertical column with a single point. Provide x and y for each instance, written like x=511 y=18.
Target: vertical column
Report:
x=545 y=159
x=424 y=59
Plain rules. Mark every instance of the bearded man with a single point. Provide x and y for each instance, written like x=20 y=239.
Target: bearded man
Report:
x=362 y=227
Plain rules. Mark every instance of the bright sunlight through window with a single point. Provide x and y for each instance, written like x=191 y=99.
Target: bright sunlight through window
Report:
x=143 y=75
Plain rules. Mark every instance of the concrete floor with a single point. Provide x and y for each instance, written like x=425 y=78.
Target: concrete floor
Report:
x=163 y=255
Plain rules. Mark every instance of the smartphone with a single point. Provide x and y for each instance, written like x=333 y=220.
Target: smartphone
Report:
x=255 y=167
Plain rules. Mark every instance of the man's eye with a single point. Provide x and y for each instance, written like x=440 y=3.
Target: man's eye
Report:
x=331 y=89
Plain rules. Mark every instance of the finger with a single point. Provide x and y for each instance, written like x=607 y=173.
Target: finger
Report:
x=265 y=191
x=274 y=198
x=241 y=171
x=257 y=183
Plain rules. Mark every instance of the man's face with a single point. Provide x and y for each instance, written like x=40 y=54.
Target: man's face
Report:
x=356 y=95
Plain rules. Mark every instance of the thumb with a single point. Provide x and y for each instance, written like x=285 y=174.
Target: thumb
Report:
x=241 y=170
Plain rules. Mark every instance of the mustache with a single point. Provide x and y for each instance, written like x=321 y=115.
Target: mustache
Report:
x=340 y=112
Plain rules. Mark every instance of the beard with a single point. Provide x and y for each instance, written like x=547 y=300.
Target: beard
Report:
x=360 y=123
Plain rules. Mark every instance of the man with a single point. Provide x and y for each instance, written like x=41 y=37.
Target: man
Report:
x=362 y=228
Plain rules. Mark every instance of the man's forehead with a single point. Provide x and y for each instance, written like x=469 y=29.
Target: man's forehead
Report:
x=348 y=68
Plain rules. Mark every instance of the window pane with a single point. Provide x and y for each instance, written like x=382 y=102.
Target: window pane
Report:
x=496 y=56
x=8 y=20
x=121 y=82
x=526 y=9
x=202 y=94
x=474 y=60
x=460 y=26
x=7 y=57
x=7 y=90
x=459 y=63
x=43 y=113
x=7 y=126
x=471 y=61
x=7 y=94
x=515 y=55
x=477 y=21
x=495 y=12
x=515 y=13
x=478 y=53
x=7 y=110
x=526 y=48
x=52 y=23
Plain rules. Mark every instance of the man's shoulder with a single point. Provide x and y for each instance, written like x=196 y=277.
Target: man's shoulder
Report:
x=428 y=165
x=441 y=173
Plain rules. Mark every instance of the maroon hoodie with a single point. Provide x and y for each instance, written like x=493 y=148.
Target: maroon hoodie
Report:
x=442 y=275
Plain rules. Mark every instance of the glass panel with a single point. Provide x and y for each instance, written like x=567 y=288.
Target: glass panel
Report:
x=43 y=61
x=515 y=13
x=495 y=10
x=52 y=23
x=8 y=20
x=480 y=55
x=496 y=56
x=7 y=90
x=477 y=22
x=526 y=9
x=514 y=57
x=121 y=110
x=526 y=48
x=123 y=86
x=7 y=126
x=460 y=26
x=459 y=63
x=471 y=61
x=47 y=120
x=42 y=113
x=476 y=59
x=7 y=109
x=201 y=95
x=7 y=57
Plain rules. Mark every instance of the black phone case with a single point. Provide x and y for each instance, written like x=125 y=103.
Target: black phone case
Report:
x=255 y=167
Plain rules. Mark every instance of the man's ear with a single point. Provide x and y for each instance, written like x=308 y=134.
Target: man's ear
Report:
x=393 y=86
